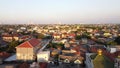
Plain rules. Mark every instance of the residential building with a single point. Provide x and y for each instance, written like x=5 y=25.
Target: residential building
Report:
x=43 y=56
x=99 y=60
x=117 y=63
x=28 y=50
x=10 y=37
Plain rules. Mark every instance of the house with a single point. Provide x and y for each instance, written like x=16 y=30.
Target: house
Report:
x=113 y=49
x=71 y=58
x=63 y=41
x=25 y=37
x=71 y=35
x=3 y=56
x=72 y=55
x=64 y=35
x=84 y=40
x=67 y=45
x=117 y=63
x=89 y=63
x=107 y=34
x=24 y=65
x=28 y=50
x=34 y=65
x=43 y=65
x=56 y=36
x=43 y=56
x=99 y=60
x=8 y=66
x=10 y=37
x=117 y=59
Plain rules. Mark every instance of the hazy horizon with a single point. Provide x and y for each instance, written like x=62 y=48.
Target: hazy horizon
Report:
x=59 y=11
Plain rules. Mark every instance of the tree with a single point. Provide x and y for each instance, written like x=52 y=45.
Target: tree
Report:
x=78 y=37
x=12 y=45
x=117 y=40
x=60 y=46
x=40 y=36
x=111 y=43
x=55 y=45
x=48 y=37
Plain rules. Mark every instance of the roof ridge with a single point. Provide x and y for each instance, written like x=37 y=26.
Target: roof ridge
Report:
x=29 y=43
x=20 y=44
x=98 y=56
x=23 y=43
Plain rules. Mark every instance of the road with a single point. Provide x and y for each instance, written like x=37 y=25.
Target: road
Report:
x=44 y=44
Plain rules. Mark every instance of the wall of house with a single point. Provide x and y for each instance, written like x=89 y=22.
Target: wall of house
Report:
x=43 y=57
x=7 y=38
x=24 y=53
x=10 y=38
x=117 y=63
x=88 y=62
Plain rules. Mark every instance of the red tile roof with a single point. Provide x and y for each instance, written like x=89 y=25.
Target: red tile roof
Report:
x=4 y=55
x=34 y=42
x=72 y=34
x=56 y=34
x=29 y=44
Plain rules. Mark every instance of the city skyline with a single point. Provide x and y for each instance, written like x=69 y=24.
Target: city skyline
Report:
x=55 y=11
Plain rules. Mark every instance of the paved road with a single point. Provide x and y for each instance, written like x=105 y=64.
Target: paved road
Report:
x=45 y=43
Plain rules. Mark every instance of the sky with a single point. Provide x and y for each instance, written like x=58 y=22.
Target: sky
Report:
x=59 y=11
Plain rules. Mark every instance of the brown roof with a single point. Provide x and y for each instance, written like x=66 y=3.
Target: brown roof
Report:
x=71 y=58
x=24 y=65
x=25 y=37
x=10 y=35
x=29 y=44
x=4 y=55
x=43 y=65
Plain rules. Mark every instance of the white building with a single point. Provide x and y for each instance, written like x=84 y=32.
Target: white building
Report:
x=67 y=45
x=117 y=63
x=113 y=49
x=88 y=62
x=43 y=56
x=84 y=40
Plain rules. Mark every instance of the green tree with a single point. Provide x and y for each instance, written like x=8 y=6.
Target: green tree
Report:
x=78 y=37
x=117 y=40
x=12 y=45
x=111 y=43
x=60 y=45
x=40 y=36
x=48 y=37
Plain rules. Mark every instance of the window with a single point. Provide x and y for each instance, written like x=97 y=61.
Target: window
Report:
x=66 y=61
x=18 y=54
x=77 y=62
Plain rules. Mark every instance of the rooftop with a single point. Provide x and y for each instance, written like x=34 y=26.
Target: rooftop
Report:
x=101 y=61
x=29 y=44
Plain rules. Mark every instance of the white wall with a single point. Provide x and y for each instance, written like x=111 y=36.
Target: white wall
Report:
x=88 y=62
x=43 y=56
